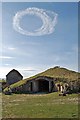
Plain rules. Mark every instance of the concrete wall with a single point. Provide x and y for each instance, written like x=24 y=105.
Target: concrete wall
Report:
x=35 y=86
x=27 y=87
x=0 y=87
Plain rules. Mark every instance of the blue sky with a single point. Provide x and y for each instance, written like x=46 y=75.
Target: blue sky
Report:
x=40 y=0
x=33 y=54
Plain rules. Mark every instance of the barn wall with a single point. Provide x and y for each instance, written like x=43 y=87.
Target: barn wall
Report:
x=0 y=87
x=36 y=88
x=33 y=86
x=13 y=77
x=26 y=87
x=50 y=86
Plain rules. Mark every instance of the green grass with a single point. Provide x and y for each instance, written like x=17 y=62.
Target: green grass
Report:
x=60 y=73
x=21 y=82
x=2 y=80
x=0 y=105
x=40 y=106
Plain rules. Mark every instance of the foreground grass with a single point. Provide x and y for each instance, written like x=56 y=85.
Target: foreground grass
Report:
x=40 y=106
x=0 y=106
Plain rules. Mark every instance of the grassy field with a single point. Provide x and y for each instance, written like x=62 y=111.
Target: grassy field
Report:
x=40 y=106
x=0 y=106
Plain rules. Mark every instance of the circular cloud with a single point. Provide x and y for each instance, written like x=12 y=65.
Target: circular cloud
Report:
x=49 y=20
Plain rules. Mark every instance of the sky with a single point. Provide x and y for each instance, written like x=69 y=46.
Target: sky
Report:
x=40 y=0
x=38 y=36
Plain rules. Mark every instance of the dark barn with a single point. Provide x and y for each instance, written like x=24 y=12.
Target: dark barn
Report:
x=40 y=84
x=13 y=76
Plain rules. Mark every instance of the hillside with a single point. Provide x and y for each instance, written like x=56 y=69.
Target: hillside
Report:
x=61 y=74
x=58 y=72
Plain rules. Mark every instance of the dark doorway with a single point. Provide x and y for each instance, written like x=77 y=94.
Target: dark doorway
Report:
x=43 y=86
x=31 y=86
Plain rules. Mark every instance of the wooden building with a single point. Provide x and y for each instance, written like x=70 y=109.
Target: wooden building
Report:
x=13 y=76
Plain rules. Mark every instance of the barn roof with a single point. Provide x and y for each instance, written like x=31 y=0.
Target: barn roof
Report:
x=13 y=71
x=40 y=77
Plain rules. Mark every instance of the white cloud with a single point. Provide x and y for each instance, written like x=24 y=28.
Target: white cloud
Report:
x=7 y=64
x=49 y=19
x=7 y=47
x=11 y=48
x=6 y=57
x=30 y=43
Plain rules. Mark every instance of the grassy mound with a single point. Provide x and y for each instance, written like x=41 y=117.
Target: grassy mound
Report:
x=62 y=74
